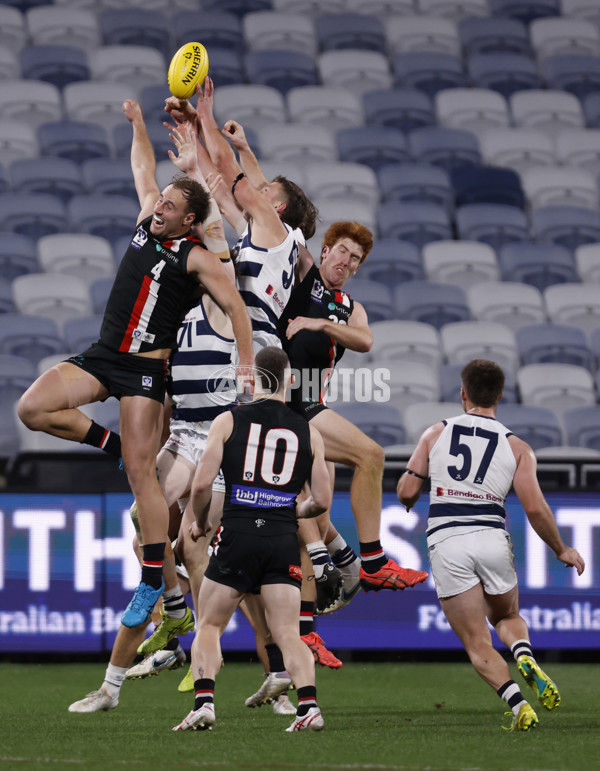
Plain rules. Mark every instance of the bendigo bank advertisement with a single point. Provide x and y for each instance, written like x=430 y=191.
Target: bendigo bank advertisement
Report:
x=68 y=570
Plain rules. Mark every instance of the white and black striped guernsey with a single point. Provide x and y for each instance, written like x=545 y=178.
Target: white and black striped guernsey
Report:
x=265 y=280
x=202 y=373
x=471 y=468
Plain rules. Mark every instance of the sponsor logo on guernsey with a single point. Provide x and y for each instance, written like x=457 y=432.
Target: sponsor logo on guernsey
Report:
x=259 y=498
x=272 y=293
x=146 y=382
x=168 y=251
x=139 y=238
x=316 y=293
x=440 y=492
x=296 y=572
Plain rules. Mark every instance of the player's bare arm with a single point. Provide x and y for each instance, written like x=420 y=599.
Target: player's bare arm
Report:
x=538 y=511
x=320 y=484
x=143 y=162
x=410 y=484
x=234 y=131
x=206 y=472
x=355 y=335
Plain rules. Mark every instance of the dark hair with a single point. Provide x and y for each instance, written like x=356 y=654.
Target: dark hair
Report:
x=352 y=230
x=269 y=368
x=198 y=199
x=483 y=382
x=299 y=211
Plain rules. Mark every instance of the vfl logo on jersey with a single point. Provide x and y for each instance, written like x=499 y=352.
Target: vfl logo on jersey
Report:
x=259 y=522
x=316 y=293
x=139 y=238
x=145 y=337
x=146 y=382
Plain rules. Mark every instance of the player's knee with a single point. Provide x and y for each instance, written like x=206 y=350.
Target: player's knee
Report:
x=371 y=455
x=30 y=414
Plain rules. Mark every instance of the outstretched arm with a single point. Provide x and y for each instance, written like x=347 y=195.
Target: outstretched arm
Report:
x=235 y=133
x=143 y=162
x=206 y=472
x=355 y=335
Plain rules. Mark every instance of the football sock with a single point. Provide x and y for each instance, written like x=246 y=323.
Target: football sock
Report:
x=106 y=440
x=275 y=658
x=152 y=564
x=172 y=645
x=520 y=648
x=317 y=551
x=307 y=698
x=307 y=622
x=204 y=692
x=173 y=603
x=511 y=693
x=372 y=556
x=113 y=680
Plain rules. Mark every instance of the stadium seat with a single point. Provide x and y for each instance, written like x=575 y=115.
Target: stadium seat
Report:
x=281 y=69
x=239 y=7
x=393 y=262
x=227 y=67
x=422 y=33
x=507 y=302
x=450 y=384
x=503 y=72
x=251 y=105
x=582 y=426
x=494 y=224
x=158 y=135
x=78 y=141
x=7 y=304
x=109 y=176
x=538 y=426
x=355 y=69
x=581 y=9
x=418 y=417
x=279 y=31
x=56 y=64
x=579 y=75
x=30 y=336
x=76 y=254
x=311 y=8
x=357 y=31
x=382 y=422
x=58 y=176
x=537 y=264
x=17 y=141
x=579 y=147
x=376 y=298
x=558 y=387
x=525 y=10
x=374 y=146
x=13 y=32
x=428 y=71
x=574 y=304
x=136 y=27
x=560 y=186
x=81 y=332
x=271 y=169
x=43 y=102
x=99 y=291
x=587 y=259
x=517 y=148
x=352 y=181
x=62 y=25
x=103 y=215
x=17 y=255
x=487 y=184
x=17 y=373
x=154 y=5
x=298 y=143
x=129 y=65
x=9 y=64
x=100 y=103
x=554 y=343
x=56 y=296
x=594 y=338
x=32 y=214
x=473 y=109
x=152 y=98
x=380 y=8
x=450 y=9
x=408 y=341
x=462 y=263
x=490 y=35
x=403 y=109
x=411 y=385
x=415 y=182
x=414 y=221
x=217 y=29
x=569 y=226
x=432 y=303
x=444 y=147
x=330 y=107
x=335 y=209
x=466 y=340
x=564 y=37
x=548 y=110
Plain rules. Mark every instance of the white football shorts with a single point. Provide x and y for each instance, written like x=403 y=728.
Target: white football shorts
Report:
x=460 y=562
x=189 y=440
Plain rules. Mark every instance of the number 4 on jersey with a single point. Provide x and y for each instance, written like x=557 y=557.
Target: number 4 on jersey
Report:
x=157 y=269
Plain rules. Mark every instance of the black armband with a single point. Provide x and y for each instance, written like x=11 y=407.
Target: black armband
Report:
x=414 y=474
x=241 y=175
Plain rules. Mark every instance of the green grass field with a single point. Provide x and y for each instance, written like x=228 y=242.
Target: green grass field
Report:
x=378 y=716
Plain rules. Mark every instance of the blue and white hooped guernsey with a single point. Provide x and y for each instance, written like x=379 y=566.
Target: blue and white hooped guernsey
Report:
x=265 y=280
x=471 y=467
x=203 y=375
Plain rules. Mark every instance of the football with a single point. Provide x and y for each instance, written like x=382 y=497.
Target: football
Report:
x=188 y=67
